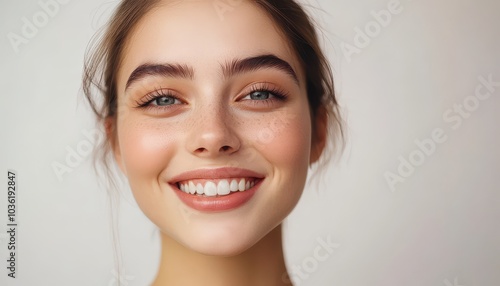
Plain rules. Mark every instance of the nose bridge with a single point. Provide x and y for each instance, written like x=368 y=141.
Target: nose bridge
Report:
x=213 y=132
x=212 y=115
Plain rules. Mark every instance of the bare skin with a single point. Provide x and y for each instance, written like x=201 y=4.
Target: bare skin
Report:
x=215 y=120
x=262 y=264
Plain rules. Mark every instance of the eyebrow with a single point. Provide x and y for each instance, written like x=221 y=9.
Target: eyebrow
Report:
x=234 y=67
x=165 y=70
x=239 y=66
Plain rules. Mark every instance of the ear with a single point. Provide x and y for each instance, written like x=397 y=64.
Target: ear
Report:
x=319 y=135
x=111 y=135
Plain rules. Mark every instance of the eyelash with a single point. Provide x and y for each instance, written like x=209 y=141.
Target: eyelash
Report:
x=278 y=95
x=146 y=101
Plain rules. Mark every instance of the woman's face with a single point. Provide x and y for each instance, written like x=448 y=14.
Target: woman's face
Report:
x=220 y=93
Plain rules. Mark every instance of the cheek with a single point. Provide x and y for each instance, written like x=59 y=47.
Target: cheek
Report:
x=285 y=141
x=285 y=144
x=145 y=148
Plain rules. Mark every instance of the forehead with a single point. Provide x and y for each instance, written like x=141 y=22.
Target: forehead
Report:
x=203 y=35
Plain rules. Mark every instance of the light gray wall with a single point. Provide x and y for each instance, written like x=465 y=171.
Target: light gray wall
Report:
x=436 y=226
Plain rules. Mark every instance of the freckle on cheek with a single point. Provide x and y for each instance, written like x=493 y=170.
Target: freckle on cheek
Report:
x=285 y=139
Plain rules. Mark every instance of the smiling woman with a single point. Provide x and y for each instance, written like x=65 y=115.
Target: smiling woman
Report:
x=185 y=97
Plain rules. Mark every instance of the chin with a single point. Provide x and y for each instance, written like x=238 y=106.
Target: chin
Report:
x=219 y=242
x=222 y=250
x=221 y=247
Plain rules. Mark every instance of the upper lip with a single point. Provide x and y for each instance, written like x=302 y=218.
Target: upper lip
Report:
x=215 y=173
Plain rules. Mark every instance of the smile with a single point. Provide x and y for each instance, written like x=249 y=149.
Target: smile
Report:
x=218 y=187
x=213 y=190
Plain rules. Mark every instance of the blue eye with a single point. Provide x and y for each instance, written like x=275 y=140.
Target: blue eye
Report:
x=165 y=100
x=265 y=92
x=260 y=95
x=158 y=98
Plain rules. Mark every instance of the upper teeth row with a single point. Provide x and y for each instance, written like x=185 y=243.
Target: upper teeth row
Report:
x=224 y=187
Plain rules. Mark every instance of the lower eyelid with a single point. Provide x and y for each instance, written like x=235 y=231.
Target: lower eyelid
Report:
x=162 y=110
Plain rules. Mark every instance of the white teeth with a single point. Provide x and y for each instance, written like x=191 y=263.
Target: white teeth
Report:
x=192 y=188
x=210 y=189
x=223 y=187
x=241 y=185
x=199 y=189
x=234 y=186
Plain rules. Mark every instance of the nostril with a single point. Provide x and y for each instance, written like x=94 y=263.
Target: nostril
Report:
x=225 y=148
x=201 y=150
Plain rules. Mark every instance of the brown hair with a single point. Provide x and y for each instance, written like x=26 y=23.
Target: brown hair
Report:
x=103 y=60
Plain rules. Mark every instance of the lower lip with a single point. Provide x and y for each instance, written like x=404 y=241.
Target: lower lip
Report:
x=217 y=203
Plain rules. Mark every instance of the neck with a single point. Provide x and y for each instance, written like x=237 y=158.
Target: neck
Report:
x=262 y=264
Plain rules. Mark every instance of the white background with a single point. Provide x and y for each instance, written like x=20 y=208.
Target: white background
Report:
x=440 y=227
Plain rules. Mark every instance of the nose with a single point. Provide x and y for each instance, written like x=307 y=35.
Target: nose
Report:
x=213 y=133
